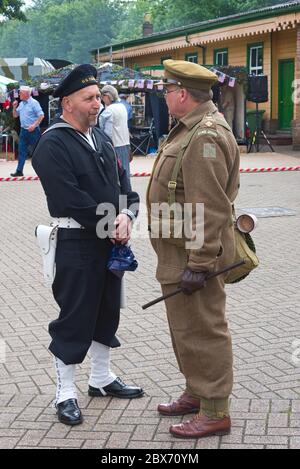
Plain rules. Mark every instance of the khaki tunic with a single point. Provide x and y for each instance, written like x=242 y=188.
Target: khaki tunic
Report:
x=209 y=175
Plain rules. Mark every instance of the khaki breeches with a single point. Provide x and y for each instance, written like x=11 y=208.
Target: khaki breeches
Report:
x=201 y=339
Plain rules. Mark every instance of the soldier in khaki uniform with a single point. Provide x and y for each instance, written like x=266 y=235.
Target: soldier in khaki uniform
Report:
x=208 y=174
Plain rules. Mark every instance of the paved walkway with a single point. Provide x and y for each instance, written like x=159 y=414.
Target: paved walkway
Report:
x=263 y=312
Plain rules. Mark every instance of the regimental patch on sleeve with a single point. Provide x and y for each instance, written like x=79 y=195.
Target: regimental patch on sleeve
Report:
x=209 y=150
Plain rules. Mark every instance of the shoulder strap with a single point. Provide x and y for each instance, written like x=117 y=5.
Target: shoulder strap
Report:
x=222 y=121
x=172 y=184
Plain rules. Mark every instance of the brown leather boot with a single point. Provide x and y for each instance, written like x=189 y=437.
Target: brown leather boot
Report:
x=201 y=426
x=185 y=404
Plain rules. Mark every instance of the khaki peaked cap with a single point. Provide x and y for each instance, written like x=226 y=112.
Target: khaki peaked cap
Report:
x=188 y=75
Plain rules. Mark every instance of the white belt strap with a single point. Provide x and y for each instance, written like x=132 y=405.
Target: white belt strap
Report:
x=67 y=222
x=47 y=240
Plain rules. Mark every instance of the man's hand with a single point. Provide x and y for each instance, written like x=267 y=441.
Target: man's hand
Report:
x=192 y=281
x=123 y=229
x=31 y=128
x=15 y=104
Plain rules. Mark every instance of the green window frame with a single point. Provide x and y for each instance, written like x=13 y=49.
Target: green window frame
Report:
x=255 y=58
x=192 y=57
x=221 y=56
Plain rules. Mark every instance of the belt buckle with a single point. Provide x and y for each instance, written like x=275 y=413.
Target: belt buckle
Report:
x=172 y=185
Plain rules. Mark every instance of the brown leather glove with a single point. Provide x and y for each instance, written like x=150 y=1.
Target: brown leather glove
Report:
x=192 y=281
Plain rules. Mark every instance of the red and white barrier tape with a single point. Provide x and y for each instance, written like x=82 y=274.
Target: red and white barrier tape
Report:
x=270 y=170
x=242 y=170
x=23 y=178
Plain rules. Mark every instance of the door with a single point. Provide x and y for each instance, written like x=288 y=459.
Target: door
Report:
x=285 y=92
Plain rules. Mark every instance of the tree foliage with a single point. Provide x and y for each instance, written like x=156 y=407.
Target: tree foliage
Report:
x=12 y=9
x=69 y=29
x=167 y=14
x=60 y=29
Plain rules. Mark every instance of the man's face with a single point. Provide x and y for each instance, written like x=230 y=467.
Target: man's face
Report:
x=24 y=95
x=84 y=105
x=172 y=97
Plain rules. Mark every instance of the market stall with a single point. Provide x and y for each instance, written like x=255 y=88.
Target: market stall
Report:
x=150 y=112
x=7 y=142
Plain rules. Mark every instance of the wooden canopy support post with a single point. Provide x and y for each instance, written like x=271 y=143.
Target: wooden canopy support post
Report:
x=296 y=122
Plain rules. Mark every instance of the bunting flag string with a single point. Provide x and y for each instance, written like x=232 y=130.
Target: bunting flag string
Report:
x=137 y=84
x=223 y=76
x=140 y=84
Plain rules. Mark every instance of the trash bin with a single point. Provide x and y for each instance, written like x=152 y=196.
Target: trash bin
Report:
x=251 y=119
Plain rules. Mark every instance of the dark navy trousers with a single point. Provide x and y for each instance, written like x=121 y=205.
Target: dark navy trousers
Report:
x=88 y=295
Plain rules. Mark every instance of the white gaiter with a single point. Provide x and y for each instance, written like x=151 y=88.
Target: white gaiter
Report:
x=100 y=366
x=65 y=375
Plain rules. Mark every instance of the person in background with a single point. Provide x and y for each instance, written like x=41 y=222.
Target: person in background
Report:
x=113 y=122
x=228 y=104
x=123 y=97
x=31 y=115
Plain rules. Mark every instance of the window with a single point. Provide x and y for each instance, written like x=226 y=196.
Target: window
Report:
x=221 y=57
x=192 y=57
x=255 y=59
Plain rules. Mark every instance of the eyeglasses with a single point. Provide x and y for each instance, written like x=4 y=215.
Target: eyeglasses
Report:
x=166 y=91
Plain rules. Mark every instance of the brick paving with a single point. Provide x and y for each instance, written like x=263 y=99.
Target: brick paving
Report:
x=264 y=318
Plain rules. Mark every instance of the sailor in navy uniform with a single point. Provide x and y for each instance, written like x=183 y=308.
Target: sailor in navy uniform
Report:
x=78 y=169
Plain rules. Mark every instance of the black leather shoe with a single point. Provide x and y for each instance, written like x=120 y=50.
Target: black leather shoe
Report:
x=117 y=389
x=69 y=413
x=17 y=174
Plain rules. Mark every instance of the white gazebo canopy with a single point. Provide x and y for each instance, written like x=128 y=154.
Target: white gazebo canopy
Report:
x=6 y=81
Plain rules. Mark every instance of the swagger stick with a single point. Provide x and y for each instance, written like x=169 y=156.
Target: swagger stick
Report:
x=179 y=290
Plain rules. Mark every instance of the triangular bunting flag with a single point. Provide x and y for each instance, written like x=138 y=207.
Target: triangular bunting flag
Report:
x=231 y=81
x=150 y=84
x=221 y=77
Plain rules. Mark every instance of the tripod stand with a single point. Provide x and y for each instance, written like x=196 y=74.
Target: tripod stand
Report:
x=258 y=132
x=140 y=143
